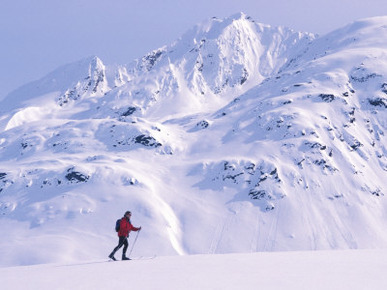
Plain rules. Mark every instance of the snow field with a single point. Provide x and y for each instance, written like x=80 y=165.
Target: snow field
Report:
x=334 y=270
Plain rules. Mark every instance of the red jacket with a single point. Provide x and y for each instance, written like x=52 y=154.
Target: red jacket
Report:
x=126 y=227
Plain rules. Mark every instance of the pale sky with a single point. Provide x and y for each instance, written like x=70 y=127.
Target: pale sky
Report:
x=37 y=36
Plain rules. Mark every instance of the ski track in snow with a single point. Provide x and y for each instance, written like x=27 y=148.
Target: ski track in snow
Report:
x=334 y=270
x=221 y=232
x=256 y=234
x=270 y=242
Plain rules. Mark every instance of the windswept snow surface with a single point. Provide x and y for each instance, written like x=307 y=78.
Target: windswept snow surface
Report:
x=238 y=137
x=334 y=270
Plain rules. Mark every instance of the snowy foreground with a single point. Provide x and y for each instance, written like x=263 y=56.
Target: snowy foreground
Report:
x=352 y=269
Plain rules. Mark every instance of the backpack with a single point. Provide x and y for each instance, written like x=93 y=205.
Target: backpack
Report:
x=118 y=222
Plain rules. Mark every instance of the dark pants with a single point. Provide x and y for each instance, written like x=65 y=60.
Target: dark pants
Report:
x=123 y=241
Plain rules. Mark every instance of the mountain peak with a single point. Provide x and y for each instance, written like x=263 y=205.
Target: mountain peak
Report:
x=213 y=27
x=219 y=54
x=240 y=16
x=59 y=81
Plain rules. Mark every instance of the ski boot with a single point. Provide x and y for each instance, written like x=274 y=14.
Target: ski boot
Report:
x=111 y=256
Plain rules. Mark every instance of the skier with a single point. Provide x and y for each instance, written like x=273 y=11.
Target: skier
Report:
x=125 y=228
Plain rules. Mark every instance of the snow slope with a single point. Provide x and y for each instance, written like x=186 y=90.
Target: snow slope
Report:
x=238 y=137
x=292 y=270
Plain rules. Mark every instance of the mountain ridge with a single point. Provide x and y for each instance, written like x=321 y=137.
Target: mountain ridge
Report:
x=238 y=137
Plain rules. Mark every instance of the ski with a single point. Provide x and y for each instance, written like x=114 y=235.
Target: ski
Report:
x=135 y=258
x=144 y=258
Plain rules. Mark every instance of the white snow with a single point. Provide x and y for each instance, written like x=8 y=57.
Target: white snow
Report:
x=334 y=270
x=237 y=138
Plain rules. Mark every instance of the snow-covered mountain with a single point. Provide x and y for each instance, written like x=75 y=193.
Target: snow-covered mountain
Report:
x=238 y=137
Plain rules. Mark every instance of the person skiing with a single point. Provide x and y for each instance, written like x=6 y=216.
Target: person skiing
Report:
x=125 y=228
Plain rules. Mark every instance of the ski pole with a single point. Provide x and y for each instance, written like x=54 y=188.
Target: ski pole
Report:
x=138 y=232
